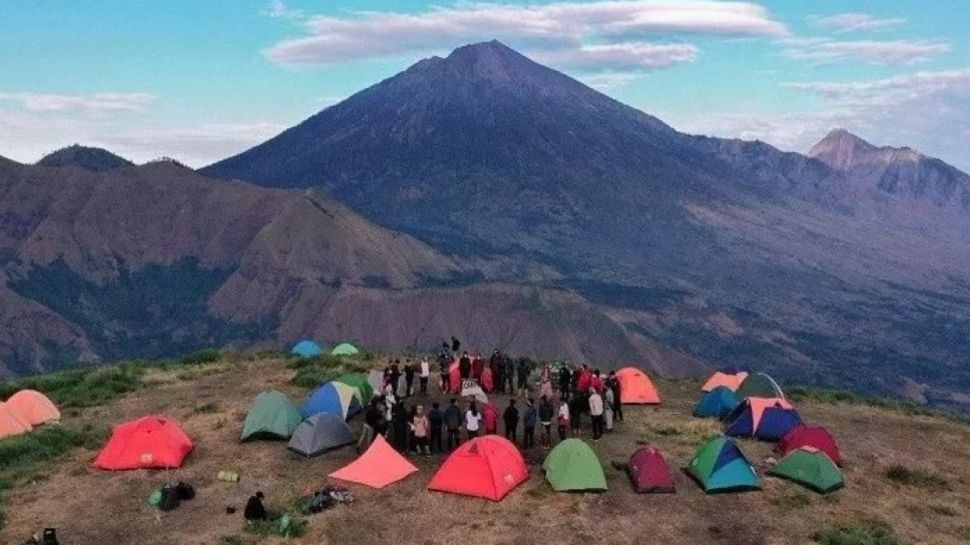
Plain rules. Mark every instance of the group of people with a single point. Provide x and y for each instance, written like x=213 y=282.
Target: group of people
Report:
x=426 y=429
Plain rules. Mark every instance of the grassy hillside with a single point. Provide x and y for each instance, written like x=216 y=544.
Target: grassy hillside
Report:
x=906 y=474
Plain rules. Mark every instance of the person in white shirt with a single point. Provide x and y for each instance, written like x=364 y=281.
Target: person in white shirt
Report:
x=423 y=374
x=563 y=419
x=596 y=412
x=473 y=421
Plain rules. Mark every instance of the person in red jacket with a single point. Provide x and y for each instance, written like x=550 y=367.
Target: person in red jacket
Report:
x=478 y=365
x=486 y=382
x=490 y=419
x=596 y=382
x=583 y=383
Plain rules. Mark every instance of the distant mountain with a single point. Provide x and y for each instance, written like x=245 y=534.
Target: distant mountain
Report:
x=94 y=159
x=727 y=250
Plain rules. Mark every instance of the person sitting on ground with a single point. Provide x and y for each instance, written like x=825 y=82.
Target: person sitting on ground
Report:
x=473 y=421
x=511 y=418
x=254 y=508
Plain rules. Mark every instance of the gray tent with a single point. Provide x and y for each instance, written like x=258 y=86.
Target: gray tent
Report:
x=320 y=433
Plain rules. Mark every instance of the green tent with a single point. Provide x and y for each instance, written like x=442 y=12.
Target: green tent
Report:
x=720 y=466
x=759 y=385
x=360 y=382
x=271 y=416
x=344 y=349
x=811 y=468
x=573 y=466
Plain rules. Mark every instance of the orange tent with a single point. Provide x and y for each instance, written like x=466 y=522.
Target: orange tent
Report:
x=486 y=467
x=380 y=466
x=152 y=442
x=731 y=381
x=11 y=423
x=33 y=407
x=636 y=387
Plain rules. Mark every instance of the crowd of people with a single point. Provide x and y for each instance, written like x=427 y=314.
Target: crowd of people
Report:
x=541 y=395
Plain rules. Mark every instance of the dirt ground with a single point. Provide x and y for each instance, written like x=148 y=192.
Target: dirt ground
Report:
x=90 y=507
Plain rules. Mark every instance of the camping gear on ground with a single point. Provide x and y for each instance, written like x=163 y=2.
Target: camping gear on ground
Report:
x=334 y=398
x=171 y=495
x=768 y=419
x=326 y=498
x=271 y=416
x=572 y=466
x=720 y=466
x=728 y=377
x=817 y=437
x=49 y=537
x=11 y=423
x=810 y=468
x=365 y=392
x=33 y=407
x=378 y=467
x=649 y=472
x=152 y=442
x=636 y=387
x=470 y=388
x=320 y=433
x=759 y=385
x=717 y=403
x=307 y=349
x=345 y=349
x=228 y=476
x=486 y=467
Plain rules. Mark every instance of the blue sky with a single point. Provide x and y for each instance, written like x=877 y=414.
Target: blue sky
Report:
x=202 y=79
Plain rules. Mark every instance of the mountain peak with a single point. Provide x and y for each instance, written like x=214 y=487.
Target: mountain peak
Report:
x=88 y=158
x=490 y=61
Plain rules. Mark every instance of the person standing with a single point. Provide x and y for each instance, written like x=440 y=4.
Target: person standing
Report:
x=408 y=379
x=399 y=425
x=511 y=419
x=596 y=413
x=577 y=406
x=373 y=425
x=608 y=409
x=473 y=421
x=445 y=378
x=453 y=419
x=529 y=419
x=494 y=362
x=596 y=382
x=487 y=383
x=613 y=383
x=436 y=422
x=478 y=365
x=546 y=414
x=562 y=419
x=510 y=374
x=423 y=374
x=545 y=381
x=464 y=367
x=523 y=371
x=565 y=382
x=490 y=419
x=455 y=344
x=395 y=377
x=420 y=426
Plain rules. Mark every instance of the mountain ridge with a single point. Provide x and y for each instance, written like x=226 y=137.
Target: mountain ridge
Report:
x=88 y=158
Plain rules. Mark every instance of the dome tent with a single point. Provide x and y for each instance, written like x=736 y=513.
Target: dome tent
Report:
x=11 y=423
x=573 y=466
x=356 y=380
x=307 y=349
x=759 y=385
x=810 y=436
x=649 y=472
x=271 y=416
x=810 y=468
x=768 y=419
x=152 y=442
x=728 y=377
x=636 y=387
x=344 y=349
x=718 y=403
x=320 y=433
x=486 y=467
x=33 y=407
x=334 y=398
x=720 y=466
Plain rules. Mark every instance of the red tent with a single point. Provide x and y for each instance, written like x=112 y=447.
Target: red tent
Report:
x=817 y=437
x=649 y=471
x=380 y=466
x=454 y=377
x=152 y=442
x=486 y=467
x=636 y=387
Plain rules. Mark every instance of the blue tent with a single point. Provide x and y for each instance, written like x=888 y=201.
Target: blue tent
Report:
x=720 y=466
x=307 y=349
x=334 y=398
x=718 y=403
x=765 y=419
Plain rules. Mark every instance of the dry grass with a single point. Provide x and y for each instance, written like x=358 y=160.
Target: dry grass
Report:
x=90 y=507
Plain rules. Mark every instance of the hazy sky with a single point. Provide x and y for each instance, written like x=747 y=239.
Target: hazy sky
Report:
x=199 y=80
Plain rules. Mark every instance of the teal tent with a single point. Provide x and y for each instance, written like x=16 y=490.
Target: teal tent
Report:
x=307 y=349
x=345 y=349
x=720 y=466
x=717 y=403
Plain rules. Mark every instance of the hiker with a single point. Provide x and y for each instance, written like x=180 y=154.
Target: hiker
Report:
x=584 y=379
x=411 y=439
x=486 y=382
x=565 y=381
x=473 y=420
x=465 y=366
x=546 y=414
x=420 y=427
x=490 y=419
x=478 y=365
x=408 y=379
x=608 y=409
x=394 y=377
x=373 y=424
x=545 y=381
x=511 y=418
x=399 y=427
x=436 y=421
x=494 y=365
x=455 y=344
x=562 y=419
x=529 y=418
x=596 y=413
x=523 y=375
x=453 y=424
x=596 y=382
x=613 y=383
x=445 y=381
x=509 y=375
x=425 y=372
x=577 y=406
x=254 y=508
x=389 y=401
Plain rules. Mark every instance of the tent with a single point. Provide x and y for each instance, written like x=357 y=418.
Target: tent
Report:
x=307 y=349
x=486 y=467
x=33 y=407
x=378 y=467
x=320 y=433
x=152 y=442
x=573 y=466
x=636 y=387
x=720 y=466
x=11 y=423
x=333 y=398
x=718 y=403
x=365 y=392
x=810 y=468
x=344 y=349
x=729 y=377
x=272 y=415
x=649 y=471
x=816 y=437
x=759 y=385
x=768 y=419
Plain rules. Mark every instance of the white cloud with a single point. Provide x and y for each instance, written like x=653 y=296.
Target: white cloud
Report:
x=821 y=51
x=569 y=30
x=279 y=10
x=94 y=103
x=848 y=22
x=195 y=146
x=608 y=81
x=632 y=56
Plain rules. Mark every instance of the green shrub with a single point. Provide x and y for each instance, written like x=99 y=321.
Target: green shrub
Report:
x=44 y=444
x=206 y=355
x=265 y=528
x=916 y=477
x=865 y=533
x=82 y=387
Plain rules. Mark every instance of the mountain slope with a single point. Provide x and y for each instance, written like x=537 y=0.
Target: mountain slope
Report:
x=94 y=159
